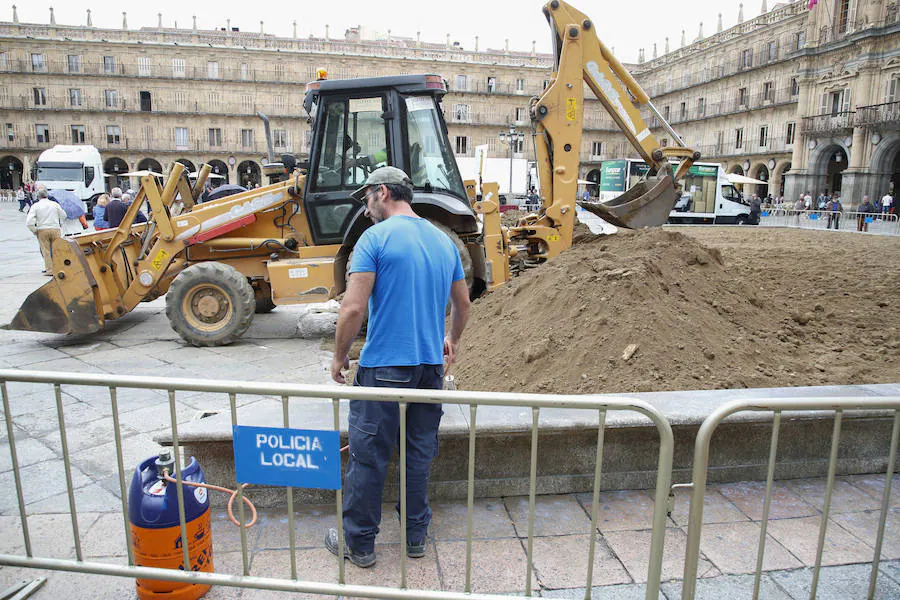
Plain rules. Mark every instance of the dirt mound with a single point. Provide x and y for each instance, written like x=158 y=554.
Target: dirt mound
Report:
x=511 y=217
x=658 y=310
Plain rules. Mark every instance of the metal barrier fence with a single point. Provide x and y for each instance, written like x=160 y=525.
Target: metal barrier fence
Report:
x=298 y=392
x=778 y=407
x=881 y=224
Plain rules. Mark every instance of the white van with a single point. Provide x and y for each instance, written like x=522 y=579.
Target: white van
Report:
x=706 y=194
x=77 y=169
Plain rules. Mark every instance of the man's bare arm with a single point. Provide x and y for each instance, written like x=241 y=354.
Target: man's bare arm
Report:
x=353 y=310
x=459 y=316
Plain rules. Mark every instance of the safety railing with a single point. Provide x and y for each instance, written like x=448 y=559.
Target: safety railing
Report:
x=881 y=224
x=794 y=407
x=296 y=393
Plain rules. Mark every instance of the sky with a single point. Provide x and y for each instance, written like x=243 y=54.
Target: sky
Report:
x=521 y=21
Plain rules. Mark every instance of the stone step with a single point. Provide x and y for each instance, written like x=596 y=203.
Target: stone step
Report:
x=567 y=444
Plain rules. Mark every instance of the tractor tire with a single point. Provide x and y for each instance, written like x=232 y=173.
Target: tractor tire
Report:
x=210 y=304
x=464 y=256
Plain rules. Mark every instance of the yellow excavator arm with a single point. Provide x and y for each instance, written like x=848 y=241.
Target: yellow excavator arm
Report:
x=558 y=117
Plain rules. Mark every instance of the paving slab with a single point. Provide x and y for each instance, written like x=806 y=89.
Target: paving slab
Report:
x=864 y=526
x=633 y=591
x=749 y=497
x=844 y=495
x=730 y=586
x=836 y=583
x=490 y=520
x=732 y=548
x=553 y=515
x=39 y=482
x=873 y=484
x=632 y=548
x=620 y=511
x=561 y=562
x=800 y=536
x=498 y=566
x=716 y=507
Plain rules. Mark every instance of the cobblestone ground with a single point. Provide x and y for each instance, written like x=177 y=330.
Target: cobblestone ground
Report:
x=142 y=343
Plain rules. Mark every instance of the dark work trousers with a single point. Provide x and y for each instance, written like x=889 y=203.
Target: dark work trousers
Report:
x=834 y=217
x=374 y=433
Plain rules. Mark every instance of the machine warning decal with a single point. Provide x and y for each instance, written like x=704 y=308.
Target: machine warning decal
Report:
x=301 y=273
x=552 y=238
x=159 y=259
x=414 y=103
x=358 y=105
x=571 y=108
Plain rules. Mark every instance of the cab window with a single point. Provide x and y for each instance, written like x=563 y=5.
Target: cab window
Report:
x=354 y=143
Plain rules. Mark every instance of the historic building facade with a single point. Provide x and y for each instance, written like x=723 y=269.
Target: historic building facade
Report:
x=799 y=98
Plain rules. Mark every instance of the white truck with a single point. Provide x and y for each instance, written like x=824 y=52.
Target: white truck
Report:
x=78 y=169
x=707 y=195
x=524 y=174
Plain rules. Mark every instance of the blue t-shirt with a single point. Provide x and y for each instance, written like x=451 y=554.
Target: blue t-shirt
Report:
x=414 y=264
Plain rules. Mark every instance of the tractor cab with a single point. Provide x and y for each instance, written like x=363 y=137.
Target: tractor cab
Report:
x=362 y=124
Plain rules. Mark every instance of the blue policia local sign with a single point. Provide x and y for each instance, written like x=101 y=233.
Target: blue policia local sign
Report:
x=303 y=458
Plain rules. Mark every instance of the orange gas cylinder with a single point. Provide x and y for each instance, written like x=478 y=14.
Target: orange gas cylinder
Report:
x=156 y=530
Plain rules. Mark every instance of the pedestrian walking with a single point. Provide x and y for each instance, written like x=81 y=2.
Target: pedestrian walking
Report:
x=835 y=208
x=798 y=208
x=20 y=196
x=405 y=270
x=755 y=210
x=115 y=210
x=887 y=202
x=45 y=220
x=807 y=201
x=865 y=209
x=100 y=221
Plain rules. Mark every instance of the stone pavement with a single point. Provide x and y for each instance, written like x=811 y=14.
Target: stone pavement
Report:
x=562 y=529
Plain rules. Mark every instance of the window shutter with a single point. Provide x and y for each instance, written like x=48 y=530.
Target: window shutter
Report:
x=890 y=90
x=823 y=104
x=846 y=105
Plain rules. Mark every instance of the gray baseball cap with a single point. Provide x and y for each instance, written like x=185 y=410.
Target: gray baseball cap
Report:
x=383 y=175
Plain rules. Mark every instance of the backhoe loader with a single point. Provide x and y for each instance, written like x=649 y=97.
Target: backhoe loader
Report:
x=219 y=262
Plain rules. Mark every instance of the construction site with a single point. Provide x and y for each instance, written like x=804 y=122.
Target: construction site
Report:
x=706 y=308
x=626 y=406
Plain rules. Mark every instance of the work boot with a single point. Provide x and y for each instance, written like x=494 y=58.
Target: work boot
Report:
x=363 y=561
x=415 y=550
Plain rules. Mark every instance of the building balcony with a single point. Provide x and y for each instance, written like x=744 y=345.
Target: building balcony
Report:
x=748 y=148
x=827 y=125
x=885 y=117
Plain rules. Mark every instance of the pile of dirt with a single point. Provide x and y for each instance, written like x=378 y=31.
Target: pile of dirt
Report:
x=511 y=217
x=659 y=310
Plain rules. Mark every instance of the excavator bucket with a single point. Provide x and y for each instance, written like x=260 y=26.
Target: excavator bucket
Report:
x=66 y=303
x=647 y=204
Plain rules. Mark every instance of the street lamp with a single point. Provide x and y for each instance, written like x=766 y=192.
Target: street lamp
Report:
x=513 y=138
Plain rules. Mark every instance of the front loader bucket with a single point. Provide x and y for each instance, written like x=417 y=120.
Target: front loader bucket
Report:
x=647 y=204
x=65 y=304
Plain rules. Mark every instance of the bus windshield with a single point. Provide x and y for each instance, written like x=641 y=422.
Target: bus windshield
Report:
x=59 y=172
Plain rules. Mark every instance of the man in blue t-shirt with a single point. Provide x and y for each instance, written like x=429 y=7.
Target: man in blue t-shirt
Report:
x=404 y=269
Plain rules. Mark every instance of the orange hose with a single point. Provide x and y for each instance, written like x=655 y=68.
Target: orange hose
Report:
x=217 y=488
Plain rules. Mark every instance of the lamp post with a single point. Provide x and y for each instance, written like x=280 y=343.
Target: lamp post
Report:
x=513 y=138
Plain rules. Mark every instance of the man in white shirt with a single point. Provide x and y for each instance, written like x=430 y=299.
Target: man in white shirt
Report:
x=45 y=219
x=886 y=202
